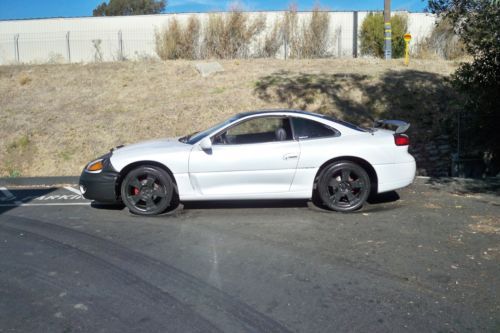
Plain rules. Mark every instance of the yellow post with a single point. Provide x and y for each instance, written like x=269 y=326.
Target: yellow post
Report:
x=407 y=38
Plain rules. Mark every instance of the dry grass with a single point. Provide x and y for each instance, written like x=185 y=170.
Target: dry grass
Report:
x=178 y=42
x=237 y=35
x=229 y=35
x=313 y=39
x=309 y=39
x=69 y=114
x=486 y=224
x=272 y=41
x=291 y=30
x=442 y=43
x=24 y=79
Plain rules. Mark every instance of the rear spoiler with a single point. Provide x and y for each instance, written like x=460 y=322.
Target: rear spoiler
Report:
x=400 y=125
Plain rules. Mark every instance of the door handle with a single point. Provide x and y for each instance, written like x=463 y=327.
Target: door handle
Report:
x=290 y=156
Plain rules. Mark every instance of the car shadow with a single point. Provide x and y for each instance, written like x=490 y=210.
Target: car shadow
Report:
x=238 y=204
x=373 y=200
x=107 y=206
x=381 y=198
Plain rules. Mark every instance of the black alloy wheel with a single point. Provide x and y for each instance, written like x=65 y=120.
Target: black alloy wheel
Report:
x=147 y=190
x=343 y=186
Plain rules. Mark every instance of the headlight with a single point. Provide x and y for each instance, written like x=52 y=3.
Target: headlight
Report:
x=95 y=166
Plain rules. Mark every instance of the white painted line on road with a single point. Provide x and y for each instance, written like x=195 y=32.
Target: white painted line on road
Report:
x=74 y=190
x=47 y=204
x=58 y=197
x=7 y=193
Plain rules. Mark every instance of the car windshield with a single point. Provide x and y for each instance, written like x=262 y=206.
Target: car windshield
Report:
x=197 y=136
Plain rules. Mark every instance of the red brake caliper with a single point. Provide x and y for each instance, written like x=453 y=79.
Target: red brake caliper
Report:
x=136 y=191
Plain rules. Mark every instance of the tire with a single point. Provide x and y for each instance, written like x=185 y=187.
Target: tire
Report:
x=147 y=190
x=343 y=186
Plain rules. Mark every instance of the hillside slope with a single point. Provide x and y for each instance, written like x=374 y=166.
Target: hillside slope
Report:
x=55 y=118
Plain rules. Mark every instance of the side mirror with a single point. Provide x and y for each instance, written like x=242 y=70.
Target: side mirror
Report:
x=206 y=144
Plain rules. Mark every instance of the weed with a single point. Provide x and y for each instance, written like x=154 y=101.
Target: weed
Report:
x=443 y=42
x=228 y=36
x=218 y=90
x=313 y=42
x=65 y=155
x=272 y=40
x=24 y=79
x=96 y=43
x=310 y=40
x=14 y=173
x=19 y=144
x=290 y=30
x=56 y=58
x=177 y=42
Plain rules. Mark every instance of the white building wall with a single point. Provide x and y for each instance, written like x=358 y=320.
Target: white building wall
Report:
x=420 y=25
x=46 y=40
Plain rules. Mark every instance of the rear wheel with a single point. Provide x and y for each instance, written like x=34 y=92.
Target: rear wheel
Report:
x=343 y=186
x=147 y=190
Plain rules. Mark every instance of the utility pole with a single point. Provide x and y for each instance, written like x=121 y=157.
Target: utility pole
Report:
x=387 y=30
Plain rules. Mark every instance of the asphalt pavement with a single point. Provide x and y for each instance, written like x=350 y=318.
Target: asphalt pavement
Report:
x=424 y=259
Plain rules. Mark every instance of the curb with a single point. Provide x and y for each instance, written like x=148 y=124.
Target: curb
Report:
x=40 y=181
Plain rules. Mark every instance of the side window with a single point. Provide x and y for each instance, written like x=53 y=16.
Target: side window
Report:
x=257 y=130
x=309 y=129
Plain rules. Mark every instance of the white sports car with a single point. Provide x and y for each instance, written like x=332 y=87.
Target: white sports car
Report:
x=280 y=154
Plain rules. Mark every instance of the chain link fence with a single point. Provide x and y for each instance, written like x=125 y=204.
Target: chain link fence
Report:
x=82 y=40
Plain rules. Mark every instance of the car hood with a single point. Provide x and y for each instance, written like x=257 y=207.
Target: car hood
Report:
x=169 y=152
x=152 y=146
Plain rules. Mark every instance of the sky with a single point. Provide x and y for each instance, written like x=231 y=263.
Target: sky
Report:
x=23 y=9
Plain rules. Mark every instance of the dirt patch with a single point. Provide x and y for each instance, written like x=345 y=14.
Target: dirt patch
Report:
x=486 y=224
x=74 y=112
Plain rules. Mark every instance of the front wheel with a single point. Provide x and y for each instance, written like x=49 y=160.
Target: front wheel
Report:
x=343 y=186
x=147 y=190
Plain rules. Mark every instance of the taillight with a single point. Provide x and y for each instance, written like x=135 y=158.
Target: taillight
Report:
x=401 y=139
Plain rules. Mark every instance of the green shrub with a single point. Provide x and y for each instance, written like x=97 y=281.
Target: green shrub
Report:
x=372 y=35
x=477 y=24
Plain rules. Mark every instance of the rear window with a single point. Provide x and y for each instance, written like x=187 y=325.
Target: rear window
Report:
x=345 y=123
x=310 y=129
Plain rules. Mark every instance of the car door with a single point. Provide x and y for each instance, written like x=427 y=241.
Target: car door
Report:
x=257 y=155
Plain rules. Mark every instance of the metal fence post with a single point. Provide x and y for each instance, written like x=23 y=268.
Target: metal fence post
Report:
x=120 y=45
x=354 y=34
x=68 y=47
x=16 y=47
x=339 y=51
x=285 y=46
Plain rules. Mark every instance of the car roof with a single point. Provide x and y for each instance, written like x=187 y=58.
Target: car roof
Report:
x=271 y=111
x=300 y=112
